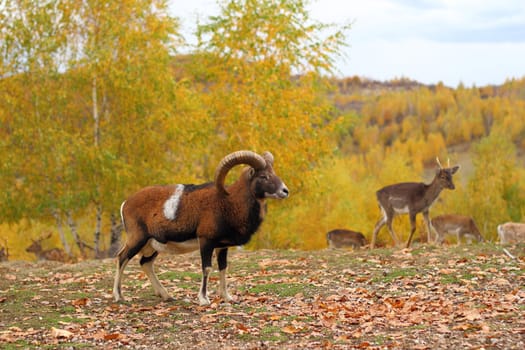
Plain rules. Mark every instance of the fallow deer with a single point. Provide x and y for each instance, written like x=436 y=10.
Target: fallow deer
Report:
x=4 y=252
x=511 y=232
x=461 y=226
x=341 y=238
x=55 y=254
x=411 y=198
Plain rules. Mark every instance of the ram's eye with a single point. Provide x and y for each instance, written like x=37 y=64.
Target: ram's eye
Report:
x=264 y=176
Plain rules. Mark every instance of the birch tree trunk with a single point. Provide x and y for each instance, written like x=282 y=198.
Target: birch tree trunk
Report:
x=98 y=228
x=96 y=118
x=74 y=232
x=61 y=233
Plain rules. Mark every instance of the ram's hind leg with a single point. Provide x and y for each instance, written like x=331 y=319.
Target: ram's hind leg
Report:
x=149 y=254
x=125 y=254
x=122 y=261
x=222 y=261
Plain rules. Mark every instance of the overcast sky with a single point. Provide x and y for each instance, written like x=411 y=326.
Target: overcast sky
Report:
x=476 y=42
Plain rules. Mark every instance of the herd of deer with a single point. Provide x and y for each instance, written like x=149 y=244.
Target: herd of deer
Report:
x=413 y=198
x=409 y=198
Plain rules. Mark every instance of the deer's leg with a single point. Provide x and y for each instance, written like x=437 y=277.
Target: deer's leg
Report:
x=440 y=237
x=389 y=221
x=427 y=223
x=389 y=214
x=222 y=255
x=380 y=223
x=412 y=228
x=458 y=242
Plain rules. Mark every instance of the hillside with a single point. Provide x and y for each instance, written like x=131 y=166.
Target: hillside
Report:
x=389 y=111
x=423 y=298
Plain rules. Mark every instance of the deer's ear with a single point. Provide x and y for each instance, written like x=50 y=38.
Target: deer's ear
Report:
x=454 y=169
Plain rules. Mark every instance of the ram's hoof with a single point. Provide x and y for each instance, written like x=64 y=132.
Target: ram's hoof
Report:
x=204 y=301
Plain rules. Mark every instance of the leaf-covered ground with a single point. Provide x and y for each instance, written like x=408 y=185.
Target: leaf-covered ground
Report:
x=424 y=298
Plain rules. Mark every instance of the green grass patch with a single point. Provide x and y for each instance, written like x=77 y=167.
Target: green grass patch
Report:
x=423 y=249
x=20 y=344
x=381 y=340
x=272 y=333
x=449 y=279
x=281 y=289
x=180 y=276
x=394 y=274
x=467 y=276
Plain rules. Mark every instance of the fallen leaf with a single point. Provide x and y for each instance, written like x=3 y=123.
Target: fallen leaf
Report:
x=291 y=329
x=363 y=345
x=81 y=302
x=472 y=315
x=500 y=282
x=60 y=333
x=443 y=329
x=111 y=336
x=242 y=328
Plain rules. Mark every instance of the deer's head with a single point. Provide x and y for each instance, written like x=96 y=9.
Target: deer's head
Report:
x=36 y=245
x=444 y=175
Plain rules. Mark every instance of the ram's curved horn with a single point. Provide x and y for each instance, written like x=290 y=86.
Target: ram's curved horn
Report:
x=240 y=157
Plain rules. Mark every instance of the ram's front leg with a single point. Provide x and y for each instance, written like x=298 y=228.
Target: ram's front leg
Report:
x=222 y=261
x=206 y=249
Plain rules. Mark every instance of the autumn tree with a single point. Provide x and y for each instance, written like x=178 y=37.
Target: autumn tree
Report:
x=260 y=64
x=491 y=196
x=83 y=81
x=37 y=144
x=124 y=71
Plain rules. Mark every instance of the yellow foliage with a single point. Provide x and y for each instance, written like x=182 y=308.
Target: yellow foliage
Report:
x=17 y=237
x=338 y=194
x=253 y=83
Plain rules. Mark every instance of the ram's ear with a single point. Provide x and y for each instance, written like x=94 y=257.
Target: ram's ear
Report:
x=251 y=172
x=268 y=157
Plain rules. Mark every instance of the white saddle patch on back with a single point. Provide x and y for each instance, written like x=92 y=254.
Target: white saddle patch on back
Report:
x=172 y=204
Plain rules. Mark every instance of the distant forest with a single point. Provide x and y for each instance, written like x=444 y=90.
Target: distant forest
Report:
x=395 y=111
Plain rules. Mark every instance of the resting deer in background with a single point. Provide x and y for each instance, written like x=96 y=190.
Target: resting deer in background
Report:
x=511 y=232
x=55 y=254
x=461 y=226
x=411 y=198
x=341 y=238
x=4 y=252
